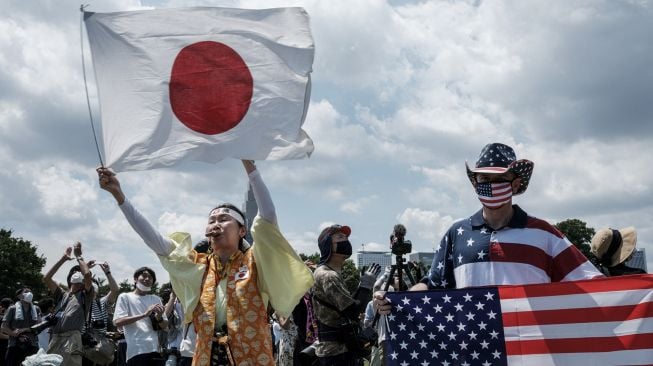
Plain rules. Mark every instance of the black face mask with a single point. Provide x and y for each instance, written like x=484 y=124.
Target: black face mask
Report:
x=344 y=247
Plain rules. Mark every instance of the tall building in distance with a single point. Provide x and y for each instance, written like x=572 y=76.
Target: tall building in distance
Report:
x=250 y=209
x=365 y=258
x=638 y=260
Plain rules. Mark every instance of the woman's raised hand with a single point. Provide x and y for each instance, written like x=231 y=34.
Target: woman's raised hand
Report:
x=109 y=182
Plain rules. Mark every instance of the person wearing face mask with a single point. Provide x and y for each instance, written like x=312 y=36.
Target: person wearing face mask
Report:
x=99 y=318
x=16 y=323
x=225 y=292
x=140 y=314
x=501 y=244
x=334 y=305
x=72 y=307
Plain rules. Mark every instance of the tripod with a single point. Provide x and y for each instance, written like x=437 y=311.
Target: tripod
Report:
x=400 y=269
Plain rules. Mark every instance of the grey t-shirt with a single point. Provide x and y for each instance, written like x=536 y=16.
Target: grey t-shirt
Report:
x=73 y=315
x=26 y=322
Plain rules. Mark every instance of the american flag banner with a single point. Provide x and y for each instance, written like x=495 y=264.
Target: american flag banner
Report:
x=607 y=321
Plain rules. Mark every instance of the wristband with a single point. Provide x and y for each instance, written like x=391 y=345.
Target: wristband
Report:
x=107 y=272
x=80 y=258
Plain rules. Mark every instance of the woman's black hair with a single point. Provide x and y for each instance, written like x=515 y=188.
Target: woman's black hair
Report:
x=241 y=245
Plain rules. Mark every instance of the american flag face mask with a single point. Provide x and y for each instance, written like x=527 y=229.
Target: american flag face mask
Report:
x=494 y=194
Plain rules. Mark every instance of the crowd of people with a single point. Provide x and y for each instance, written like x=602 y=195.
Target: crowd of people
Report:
x=231 y=302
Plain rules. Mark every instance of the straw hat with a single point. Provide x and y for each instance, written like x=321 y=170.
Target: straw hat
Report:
x=621 y=249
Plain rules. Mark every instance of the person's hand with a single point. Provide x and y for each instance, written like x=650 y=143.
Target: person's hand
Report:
x=381 y=304
x=105 y=267
x=368 y=276
x=77 y=249
x=68 y=253
x=155 y=309
x=91 y=263
x=109 y=182
x=22 y=331
x=309 y=263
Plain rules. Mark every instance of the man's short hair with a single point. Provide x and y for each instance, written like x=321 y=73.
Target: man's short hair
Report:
x=139 y=271
x=20 y=291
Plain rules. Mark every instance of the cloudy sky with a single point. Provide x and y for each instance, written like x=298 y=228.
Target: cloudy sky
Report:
x=403 y=93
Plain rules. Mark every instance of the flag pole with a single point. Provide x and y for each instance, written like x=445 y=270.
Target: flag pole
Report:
x=88 y=101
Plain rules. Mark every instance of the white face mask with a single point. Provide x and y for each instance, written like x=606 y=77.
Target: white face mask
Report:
x=28 y=297
x=142 y=287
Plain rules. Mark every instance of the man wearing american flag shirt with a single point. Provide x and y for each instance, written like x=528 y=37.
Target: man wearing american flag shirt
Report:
x=500 y=244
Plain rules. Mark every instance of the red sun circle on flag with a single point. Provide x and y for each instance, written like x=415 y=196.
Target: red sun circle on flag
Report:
x=211 y=87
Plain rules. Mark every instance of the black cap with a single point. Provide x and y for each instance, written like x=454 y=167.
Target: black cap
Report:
x=324 y=240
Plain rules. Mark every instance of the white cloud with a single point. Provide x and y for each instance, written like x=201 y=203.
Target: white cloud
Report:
x=64 y=195
x=427 y=226
x=357 y=205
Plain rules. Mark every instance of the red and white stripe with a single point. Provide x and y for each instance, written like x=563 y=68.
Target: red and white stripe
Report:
x=501 y=194
x=596 y=322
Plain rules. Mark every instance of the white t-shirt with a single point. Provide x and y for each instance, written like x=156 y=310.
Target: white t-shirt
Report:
x=141 y=338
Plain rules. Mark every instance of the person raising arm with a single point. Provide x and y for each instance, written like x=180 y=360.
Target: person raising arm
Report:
x=222 y=289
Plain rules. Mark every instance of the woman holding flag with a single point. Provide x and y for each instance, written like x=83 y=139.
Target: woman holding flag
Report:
x=225 y=292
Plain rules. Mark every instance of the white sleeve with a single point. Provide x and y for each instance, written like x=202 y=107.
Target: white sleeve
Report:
x=122 y=309
x=262 y=196
x=160 y=244
x=369 y=314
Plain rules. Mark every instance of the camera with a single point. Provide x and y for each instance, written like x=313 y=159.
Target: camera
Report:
x=98 y=324
x=398 y=243
x=155 y=322
x=48 y=321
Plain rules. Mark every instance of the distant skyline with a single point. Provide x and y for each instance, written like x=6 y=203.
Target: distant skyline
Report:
x=404 y=92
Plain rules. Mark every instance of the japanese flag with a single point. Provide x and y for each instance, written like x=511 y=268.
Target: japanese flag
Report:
x=201 y=84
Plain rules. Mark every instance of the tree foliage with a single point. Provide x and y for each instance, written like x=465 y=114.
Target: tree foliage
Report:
x=315 y=257
x=349 y=273
x=578 y=233
x=126 y=286
x=20 y=266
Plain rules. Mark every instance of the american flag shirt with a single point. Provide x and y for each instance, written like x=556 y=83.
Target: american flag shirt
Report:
x=527 y=250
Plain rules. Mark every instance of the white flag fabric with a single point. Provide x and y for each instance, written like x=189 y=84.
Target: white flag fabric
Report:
x=201 y=84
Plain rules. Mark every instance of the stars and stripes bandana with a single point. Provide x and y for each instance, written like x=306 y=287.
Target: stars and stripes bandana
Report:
x=494 y=194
